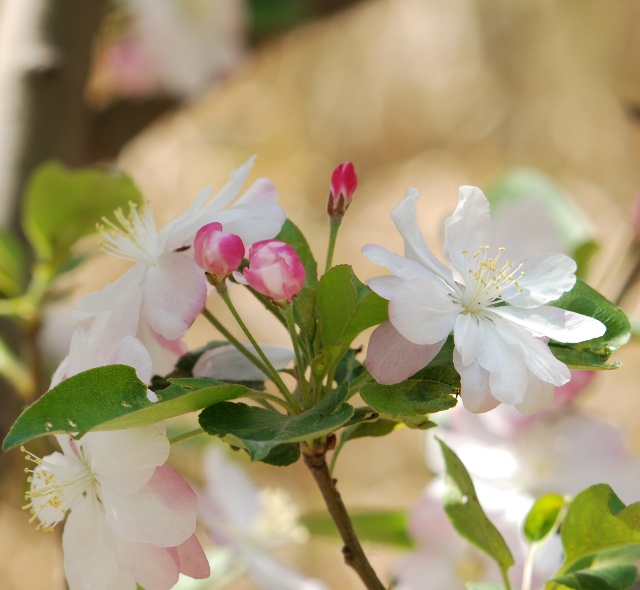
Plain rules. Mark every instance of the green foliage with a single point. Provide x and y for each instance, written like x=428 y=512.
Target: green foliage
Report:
x=113 y=398
x=618 y=577
x=258 y=430
x=374 y=526
x=13 y=269
x=349 y=367
x=63 y=205
x=543 y=518
x=346 y=307
x=463 y=508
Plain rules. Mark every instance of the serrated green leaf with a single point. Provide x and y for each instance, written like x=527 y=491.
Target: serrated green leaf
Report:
x=13 y=266
x=113 y=398
x=463 y=509
x=374 y=526
x=619 y=577
x=587 y=301
x=347 y=307
x=259 y=430
x=543 y=518
x=598 y=522
x=62 y=205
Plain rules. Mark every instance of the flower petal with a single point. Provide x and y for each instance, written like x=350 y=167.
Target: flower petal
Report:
x=468 y=228
x=154 y=568
x=162 y=513
x=391 y=358
x=546 y=278
x=405 y=217
x=385 y=285
x=164 y=353
x=553 y=322
x=540 y=394
x=467 y=336
x=227 y=363
x=175 y=291
x=422 y=312
x=132 y=352
x=193 y=561
x=400 y=266
x=474 y=386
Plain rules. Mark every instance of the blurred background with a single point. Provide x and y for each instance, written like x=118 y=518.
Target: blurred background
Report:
x=426 y=93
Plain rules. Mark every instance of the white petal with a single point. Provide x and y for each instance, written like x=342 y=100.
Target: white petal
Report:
x=121 y=293
x=164 y=353
x=254 y=222
x=540 y=394
x=553 y=322
x=400 y=266
x=90 y=558
x=226 y=363
x=469 y=227
x=132 y=352
x=391 y=358
x=546 y=278
x=162 y=513
x=385 y=285
x=474 y=386
x=154 y=568
x=467 y=336
x=405 y=217
x=125 y=460
x=230 y=190
x=421 y=312
x=174 y=294
x=180 y=232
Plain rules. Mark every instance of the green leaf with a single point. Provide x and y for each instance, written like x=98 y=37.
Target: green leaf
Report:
x=618 y=577
x=349 y=368
x=582 y=359
x=463 y=508
x=63 y=205
x=282 y=455
x=596 y=522
x=259 y=430
x=587 y=301
x=13 y=265
x=113 y=398
x=347 y=307
x=374 y=526
x=543 y=518
x=305 y=301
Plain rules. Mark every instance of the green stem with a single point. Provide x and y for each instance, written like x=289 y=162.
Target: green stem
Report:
x=186 y=435
x=334 y=225
x=505 y=579
x=359 y=381
x=271 y=370
x=291 y=326
x=15 y=372
x=267 y=397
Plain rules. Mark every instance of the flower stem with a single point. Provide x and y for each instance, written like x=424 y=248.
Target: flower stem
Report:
x=354 y=555
x=304 y=388
x=359 y=381
x=270 y=369
x=186 y=435
x=334 y=225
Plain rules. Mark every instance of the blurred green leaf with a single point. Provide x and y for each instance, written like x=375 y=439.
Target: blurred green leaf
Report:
x=543 y=518
x=113 y=398
x=13 y=266
x=463 y=509
x=62 y=205
x=619 y=577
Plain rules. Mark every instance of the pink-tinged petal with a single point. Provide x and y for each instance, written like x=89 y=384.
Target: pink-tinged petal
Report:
x=468 y=228
x=539 y=395
x=547 y=277
x=501 y=356
x=227 y=363
x=385 y=285
x=125 y=460
x=400 y=266
x=132 y=352
x=162 y=513
x=193 y=561
x=109 y=328
x=174 y=295
x=154 y=568
x=90 y=557
x=124 y=292
x=405 y=217
x=164 y=353
x=553 y=322
x=391 y=358
x=467 y=336
x=475 y=392
x=421 y=312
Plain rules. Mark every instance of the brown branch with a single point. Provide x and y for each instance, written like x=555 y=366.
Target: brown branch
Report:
x=353 y=553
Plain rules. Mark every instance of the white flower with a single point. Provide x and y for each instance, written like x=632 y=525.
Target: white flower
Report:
x=495 y=308
x=249 y=523
x=162 y=294
x=132 y=518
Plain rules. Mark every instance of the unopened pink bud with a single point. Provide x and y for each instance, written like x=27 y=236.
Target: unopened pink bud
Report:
x=275 y=270
x=216 y=252
x=343 y=185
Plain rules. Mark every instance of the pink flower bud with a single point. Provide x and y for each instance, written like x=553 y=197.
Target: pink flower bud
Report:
x=343 y=185
x=216 y=252
x=275 y=270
